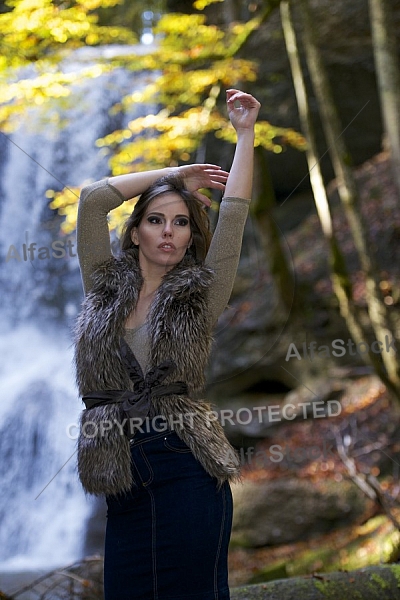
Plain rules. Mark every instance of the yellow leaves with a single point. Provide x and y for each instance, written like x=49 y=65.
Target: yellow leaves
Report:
x=243 y=29
x=65 y=202
x=149 y=122
x=189 y=122
x=231 y=70
x=40 y=32
x=188 y=37
x=201 y=4
x=36 y=28
x=295 y=139
x=160 y=140
x=182 y=86
x=274 y=139
x=39 y=90
x=186 y=73
x=181 y=33
x=160 y=150
x=46 y=20
x=170 y=141
x=134 y=127
x=119 y=215
x=93 y=4
x=180 y=24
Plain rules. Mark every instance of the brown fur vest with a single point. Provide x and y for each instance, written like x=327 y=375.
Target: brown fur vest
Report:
x=179 y=330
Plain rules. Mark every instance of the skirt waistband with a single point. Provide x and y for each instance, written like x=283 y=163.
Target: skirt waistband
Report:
x=151 y=428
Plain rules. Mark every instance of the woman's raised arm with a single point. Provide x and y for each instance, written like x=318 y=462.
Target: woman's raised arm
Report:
x=243 y=111
x=224 y=253
x=196 y=176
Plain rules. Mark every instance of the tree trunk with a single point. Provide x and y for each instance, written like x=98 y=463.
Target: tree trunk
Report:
x=388 y=76
x=348 y=193
x=271 y=235
x=371 y=583
x=339 y=276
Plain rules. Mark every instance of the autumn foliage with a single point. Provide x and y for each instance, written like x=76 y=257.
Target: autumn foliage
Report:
x=189 y=67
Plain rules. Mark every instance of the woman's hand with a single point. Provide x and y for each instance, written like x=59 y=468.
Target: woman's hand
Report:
x=203 y=176
x=244 y=116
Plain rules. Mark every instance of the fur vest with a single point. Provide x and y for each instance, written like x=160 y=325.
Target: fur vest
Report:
x=179 y=330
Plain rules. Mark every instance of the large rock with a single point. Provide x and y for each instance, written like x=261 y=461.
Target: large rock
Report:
x=373 y=583
x=286 y=510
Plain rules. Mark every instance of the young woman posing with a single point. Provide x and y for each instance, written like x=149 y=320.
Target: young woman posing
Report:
x=148 y=441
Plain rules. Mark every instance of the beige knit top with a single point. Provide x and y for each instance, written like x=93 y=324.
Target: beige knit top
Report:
x=93 y=245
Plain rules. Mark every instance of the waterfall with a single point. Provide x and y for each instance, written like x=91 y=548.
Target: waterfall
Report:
x=43 y=510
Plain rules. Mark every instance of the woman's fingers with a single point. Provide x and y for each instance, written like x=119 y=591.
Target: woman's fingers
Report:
x=232 y=95
x=199 y=176
x=244 y=116
x=199 y=168
x=202 y=198
x=218 y=176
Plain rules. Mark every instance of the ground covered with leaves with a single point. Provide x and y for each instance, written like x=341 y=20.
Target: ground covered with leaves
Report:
x=368 y=426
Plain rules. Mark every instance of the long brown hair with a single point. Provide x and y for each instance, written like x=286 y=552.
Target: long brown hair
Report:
x=199 y=221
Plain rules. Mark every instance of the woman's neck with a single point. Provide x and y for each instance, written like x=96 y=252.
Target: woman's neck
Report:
x=152 y=276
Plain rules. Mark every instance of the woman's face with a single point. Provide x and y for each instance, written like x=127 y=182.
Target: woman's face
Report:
x=164 y=233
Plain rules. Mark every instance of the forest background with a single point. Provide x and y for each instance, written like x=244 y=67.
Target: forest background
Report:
x=320 y=257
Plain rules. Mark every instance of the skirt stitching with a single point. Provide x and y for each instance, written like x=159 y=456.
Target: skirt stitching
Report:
x=219 y=544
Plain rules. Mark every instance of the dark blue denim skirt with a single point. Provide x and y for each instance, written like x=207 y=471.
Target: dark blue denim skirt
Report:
x=167 y=539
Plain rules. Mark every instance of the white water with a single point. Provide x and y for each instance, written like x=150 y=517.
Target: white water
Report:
x=40 y=526
x=43 y=511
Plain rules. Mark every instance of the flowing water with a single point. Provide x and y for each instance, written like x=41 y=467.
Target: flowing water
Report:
x=43 y=511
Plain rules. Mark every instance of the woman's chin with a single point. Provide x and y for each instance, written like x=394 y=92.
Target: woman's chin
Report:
x=170 y=261
x=161 y=260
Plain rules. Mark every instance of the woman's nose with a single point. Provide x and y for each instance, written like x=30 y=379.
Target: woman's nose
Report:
x=167 y=232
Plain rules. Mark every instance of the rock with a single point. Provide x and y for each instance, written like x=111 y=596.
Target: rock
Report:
x=286 y=510
x=371 y=583
x=250 y=418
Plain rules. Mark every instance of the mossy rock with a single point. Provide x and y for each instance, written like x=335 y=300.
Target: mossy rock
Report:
x=375 y=542
x=370 y=583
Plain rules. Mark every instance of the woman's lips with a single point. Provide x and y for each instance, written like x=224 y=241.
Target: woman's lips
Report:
x=167 y=247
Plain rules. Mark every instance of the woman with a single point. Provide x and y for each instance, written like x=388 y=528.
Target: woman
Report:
x=148 y=441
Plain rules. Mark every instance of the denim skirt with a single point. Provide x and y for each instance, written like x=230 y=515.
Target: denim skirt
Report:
x=167 y=539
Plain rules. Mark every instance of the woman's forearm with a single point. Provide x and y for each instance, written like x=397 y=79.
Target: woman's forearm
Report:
x=243 y=111
x=134 y=184
x=224 y=253
x=240 y=180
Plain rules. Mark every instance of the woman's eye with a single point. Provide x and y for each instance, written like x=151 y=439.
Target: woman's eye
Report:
x=157 y=220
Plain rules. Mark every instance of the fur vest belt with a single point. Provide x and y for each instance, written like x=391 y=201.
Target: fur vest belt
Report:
x=179 y=331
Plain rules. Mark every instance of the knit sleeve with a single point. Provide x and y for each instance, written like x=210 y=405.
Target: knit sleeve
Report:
x=93 y=237
x=224 y=252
